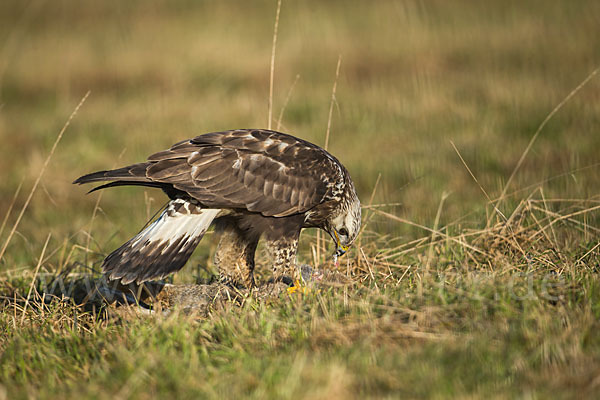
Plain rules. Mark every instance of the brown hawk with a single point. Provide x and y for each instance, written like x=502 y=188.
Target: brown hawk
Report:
x=250 y=183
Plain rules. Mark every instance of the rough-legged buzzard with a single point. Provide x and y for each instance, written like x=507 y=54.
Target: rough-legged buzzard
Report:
x=251 y=184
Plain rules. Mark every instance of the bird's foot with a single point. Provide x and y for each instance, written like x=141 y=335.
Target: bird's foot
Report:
x=308 y=277
x=298 y=287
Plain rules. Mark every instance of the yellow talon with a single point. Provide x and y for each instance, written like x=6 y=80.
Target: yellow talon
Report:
x=298 y=288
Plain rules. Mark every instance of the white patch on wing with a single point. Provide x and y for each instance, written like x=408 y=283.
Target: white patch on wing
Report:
x=173 y=226
x=237 y=163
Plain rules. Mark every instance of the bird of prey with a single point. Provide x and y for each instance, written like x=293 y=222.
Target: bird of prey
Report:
x=250 y=183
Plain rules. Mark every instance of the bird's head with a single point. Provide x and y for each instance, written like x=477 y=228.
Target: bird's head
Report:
x=344 y=227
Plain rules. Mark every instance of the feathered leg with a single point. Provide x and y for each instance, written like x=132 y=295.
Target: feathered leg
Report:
x=282 y=252
x=235 y=253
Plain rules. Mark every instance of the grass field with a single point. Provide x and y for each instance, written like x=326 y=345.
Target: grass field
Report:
x=466 y=283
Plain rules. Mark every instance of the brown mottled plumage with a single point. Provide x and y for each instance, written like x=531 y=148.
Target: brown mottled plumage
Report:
x=252 y=184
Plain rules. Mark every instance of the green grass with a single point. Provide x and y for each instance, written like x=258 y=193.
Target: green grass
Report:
x=477 y=310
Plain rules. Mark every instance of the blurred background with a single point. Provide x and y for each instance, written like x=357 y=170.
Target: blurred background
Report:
x=415 y=76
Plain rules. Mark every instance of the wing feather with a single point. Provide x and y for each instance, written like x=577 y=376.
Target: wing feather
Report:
x=262 y=171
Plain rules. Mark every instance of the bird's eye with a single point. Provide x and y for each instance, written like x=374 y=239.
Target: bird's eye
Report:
x=343 y=232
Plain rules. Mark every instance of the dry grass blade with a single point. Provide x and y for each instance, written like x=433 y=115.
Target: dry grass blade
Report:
x=590 y=251
x=431 y=244
x=337 y=74
x=369 y=212
x=91 y=225
x=562 y=218
x=434 y=231
x=369 y=267
x=554 y=239
x=371 y=206
x=37 y=269
x=405 y=221
x=42 y=170
x=476 y=181
x=537 y=133
x=95 y=212
x=10 y=207
x=287 y=100
x=550 y=179
x=404 y=274
x=272 y=70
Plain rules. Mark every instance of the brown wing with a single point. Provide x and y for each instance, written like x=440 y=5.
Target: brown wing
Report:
x=262 y=171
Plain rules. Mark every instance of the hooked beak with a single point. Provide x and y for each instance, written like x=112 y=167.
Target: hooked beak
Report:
x=340 y=249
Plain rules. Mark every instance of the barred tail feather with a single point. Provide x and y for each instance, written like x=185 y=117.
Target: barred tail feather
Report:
x=161 y=248
x=135 y=172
